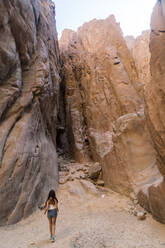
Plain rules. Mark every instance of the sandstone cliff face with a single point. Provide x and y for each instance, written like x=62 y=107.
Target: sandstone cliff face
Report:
x=29 y=85
x=139 y=48
x=153 y=196
x=104 y=105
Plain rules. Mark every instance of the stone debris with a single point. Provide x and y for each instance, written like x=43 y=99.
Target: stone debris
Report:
x=94 y=171
x=133 y=196
x=70 y=171
x=135 y=201
x=135 y=209
x=100 y=183
x=94 y=239
x=141 y=216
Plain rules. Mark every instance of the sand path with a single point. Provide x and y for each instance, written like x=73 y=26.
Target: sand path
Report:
x=86 y=220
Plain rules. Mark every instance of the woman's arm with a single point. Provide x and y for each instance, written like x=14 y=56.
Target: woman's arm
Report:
x=57 y=206
x=46 y=209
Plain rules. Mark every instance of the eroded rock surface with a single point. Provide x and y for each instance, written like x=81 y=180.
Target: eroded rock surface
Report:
x=29 y=85
x=97 y=85
x=152 y=196
x=139 y=48
x=105 y=107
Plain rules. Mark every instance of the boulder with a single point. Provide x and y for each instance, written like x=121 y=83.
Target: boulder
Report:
x=100 y=183
x=94 y=171
x=141 y=216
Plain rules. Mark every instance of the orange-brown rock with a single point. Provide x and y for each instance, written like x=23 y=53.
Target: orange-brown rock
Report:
x=29 y=85
x=104 y=105
x=152 y=197
x=91 y=60
x=139 y=48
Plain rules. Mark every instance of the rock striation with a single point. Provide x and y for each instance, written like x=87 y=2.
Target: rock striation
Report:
x=139 y=48
x=105 y=106
x=29 y=92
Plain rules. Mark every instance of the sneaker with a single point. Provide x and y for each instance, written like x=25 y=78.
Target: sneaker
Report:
x=50 y=237
x=53 y=240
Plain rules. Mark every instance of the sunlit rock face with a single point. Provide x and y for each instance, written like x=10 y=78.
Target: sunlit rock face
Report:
x=105 y=105
x=29 y=85
x=153 y=195
x=139 y=48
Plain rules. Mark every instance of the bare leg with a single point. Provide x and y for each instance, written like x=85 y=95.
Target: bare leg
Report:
x=53 y=226
x=50 y=226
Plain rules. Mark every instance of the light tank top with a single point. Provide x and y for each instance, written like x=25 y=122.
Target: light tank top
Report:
x=51 y=207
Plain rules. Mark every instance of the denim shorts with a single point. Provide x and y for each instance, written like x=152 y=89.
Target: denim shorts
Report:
x=52 y=213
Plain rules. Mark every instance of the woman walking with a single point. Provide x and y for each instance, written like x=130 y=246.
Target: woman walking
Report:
x=52 y=211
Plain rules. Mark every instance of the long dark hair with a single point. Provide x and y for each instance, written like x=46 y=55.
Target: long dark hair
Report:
x=52 y=196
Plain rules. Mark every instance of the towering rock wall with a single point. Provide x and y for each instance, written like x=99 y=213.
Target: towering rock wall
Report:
x=29 y=90
x=105 y=106
x=153 y=195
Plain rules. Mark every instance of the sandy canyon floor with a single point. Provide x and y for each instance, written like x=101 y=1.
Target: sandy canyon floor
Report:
x=87 y=219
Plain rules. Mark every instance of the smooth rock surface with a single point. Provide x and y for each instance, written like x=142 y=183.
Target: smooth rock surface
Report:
x=29 y=89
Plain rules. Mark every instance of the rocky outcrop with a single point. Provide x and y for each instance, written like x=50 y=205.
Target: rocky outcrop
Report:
x=105 y=107
x=139 y=48
x=152 y=197
x=91 y=59
x=29 y=90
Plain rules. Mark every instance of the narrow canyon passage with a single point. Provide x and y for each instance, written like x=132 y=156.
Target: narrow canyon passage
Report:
x=83 y=115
